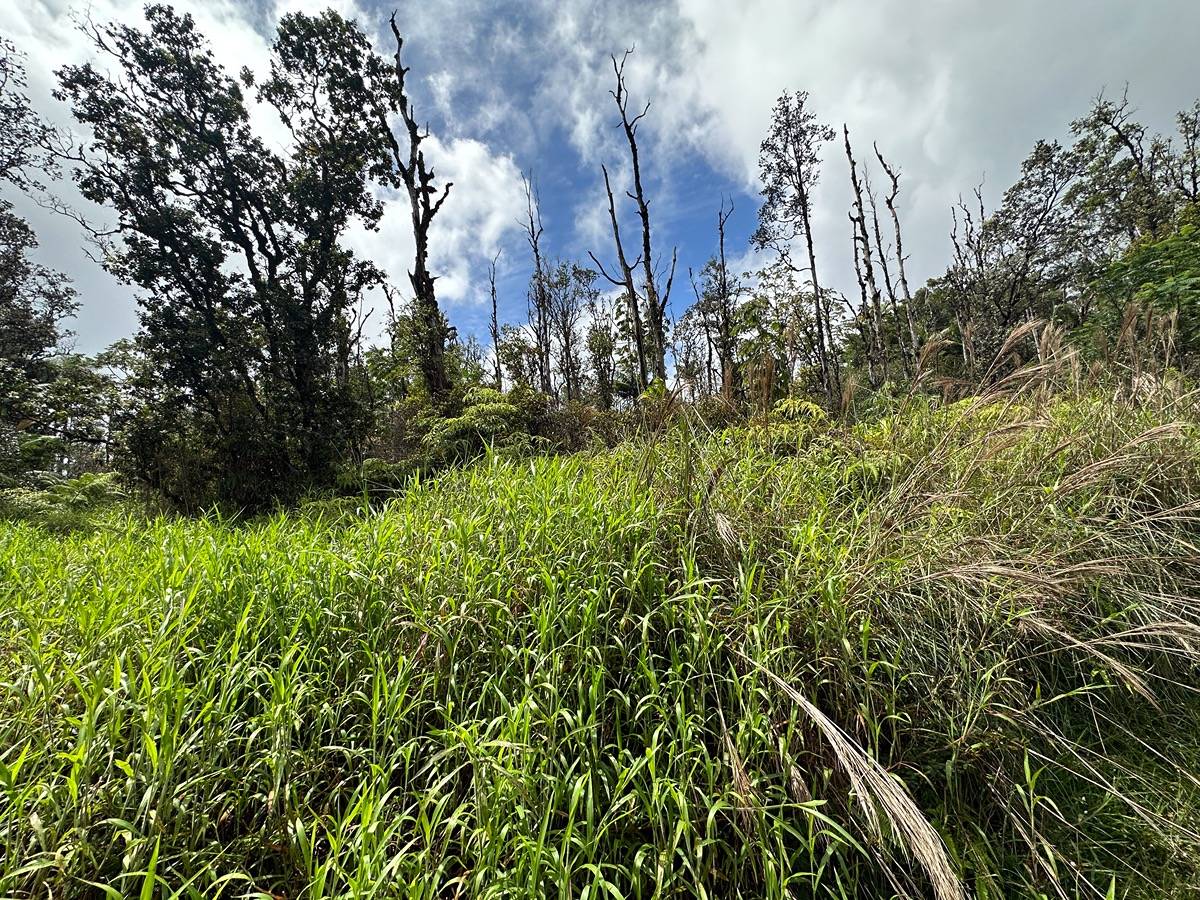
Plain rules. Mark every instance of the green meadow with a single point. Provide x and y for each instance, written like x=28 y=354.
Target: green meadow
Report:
x=947 y=652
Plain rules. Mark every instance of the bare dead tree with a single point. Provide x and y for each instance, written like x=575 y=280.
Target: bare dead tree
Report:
x=656 y=299
x=893 y=175
x=863 y=313
x=883 y=254
x=1017 y=262
x=726 y=300
x=538 y=296
x=863 y=261
x=495 y=329
x=425 y=201
x=626 y=281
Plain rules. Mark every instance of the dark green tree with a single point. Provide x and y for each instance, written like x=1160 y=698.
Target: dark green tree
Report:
x=25 y=140
x=571 y=291
x=601 y=343
x=1152 y=293
x=518 y=355
x=35 y=301
x=248 y=293
x=1125 y=189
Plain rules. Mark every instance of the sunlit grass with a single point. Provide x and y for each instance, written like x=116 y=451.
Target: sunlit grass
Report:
x=951 y=651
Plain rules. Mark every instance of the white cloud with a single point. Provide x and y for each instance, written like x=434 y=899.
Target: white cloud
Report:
x=950 y=90
x=592 y=223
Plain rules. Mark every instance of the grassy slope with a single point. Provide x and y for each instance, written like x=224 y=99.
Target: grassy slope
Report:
x=947 y=652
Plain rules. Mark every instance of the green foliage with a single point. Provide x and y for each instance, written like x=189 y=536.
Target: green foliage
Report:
x=1161 y=277
x=49 y=399
x=925 y=649
x=578 y=426
x=797 y=409
x=248 y=291
x=488 y=418
x=952 y=644
x=75 y=504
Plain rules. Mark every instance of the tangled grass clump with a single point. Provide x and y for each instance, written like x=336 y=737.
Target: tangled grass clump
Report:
x=950 y=652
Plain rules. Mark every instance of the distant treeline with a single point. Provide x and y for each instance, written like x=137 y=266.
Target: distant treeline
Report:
x=249 y=381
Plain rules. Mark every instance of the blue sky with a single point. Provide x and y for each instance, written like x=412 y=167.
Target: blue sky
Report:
x=954 y=91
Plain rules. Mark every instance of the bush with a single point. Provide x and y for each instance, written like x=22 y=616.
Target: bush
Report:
x=63 y=505
x=488 y=418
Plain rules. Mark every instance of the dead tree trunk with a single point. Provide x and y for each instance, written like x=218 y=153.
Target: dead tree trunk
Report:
x=725 y=301
x=826 y=347
x=656 y=300
x=626 y=281
x=425 y=201
x=882 y=253
x=863 y=314
x=864 y=257
x=540 y=318
x=914 y=343
x=495 y=323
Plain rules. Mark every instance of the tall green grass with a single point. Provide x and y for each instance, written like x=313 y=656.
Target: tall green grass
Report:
x=949 y=652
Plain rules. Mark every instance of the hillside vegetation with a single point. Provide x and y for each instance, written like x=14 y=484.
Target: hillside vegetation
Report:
x=948 y=651
x=414 y=545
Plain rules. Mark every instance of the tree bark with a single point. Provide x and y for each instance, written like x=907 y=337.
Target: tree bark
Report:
x=914 y=343
x=871 y=296
x=495 y=323
x=656 y=303
x=418 y=177
x=626 y=281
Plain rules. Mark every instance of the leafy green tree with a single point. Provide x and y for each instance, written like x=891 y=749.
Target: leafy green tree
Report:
x=1016 y=263
x=789 y=164
x=777 y=322
x=1125 y=190
x=570 y=291
x=39 y=409
x=518 y=355
x=25 y=139
x=692 y=349
x=248 y=290
x=1160 y=278
x=34 y=301
x=1062 y=227
x=720 y=295
x=600 y=341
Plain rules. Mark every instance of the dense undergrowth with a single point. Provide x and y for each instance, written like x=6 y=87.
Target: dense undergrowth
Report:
x=947 y=652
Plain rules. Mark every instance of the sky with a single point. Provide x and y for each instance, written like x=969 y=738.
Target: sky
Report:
x=955 y=93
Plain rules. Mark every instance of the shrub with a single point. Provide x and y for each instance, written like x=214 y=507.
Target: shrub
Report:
x=488 y=418
x=63 y=505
